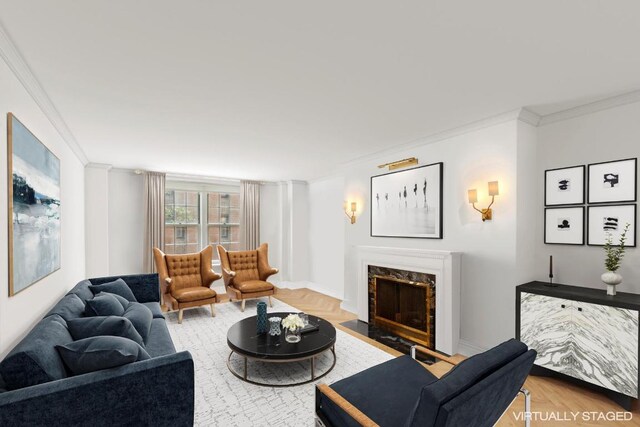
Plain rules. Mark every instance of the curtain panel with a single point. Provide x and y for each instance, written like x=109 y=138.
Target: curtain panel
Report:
x=154 y=217
x=249 y=215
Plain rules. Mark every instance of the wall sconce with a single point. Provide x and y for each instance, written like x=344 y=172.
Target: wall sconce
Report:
x=352 y=215
x=473 y=199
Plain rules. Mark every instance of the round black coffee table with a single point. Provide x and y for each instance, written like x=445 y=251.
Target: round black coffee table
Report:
x=244 y=340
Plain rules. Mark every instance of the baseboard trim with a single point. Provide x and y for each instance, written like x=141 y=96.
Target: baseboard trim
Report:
x=320 y=289
x=469 y=349
x=349 y=306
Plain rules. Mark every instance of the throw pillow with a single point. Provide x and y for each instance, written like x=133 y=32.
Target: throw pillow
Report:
x=34 y=360
x=103 y=305
x=141 y=318
x=69 y=307
x=86 y=327
x=97 y=353
x=122 y=300
x=118 y=286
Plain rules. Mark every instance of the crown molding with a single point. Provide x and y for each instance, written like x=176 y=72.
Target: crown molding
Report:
x=104 y=166
x=21 y=70
x=528 y=116
x=201 y=179
x=517 y=114
x=592 y=107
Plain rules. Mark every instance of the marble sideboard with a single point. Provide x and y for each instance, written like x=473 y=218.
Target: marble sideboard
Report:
x=582 y=334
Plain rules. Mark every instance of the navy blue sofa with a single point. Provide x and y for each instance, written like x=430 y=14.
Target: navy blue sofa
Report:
x=401 y=392
x=158 y=391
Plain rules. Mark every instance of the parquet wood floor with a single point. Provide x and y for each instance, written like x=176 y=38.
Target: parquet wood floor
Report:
x=553 y=401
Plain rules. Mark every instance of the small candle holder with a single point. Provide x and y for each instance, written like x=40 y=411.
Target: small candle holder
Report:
x=274 y=328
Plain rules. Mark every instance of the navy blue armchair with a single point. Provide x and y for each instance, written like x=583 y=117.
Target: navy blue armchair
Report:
x=401 y=392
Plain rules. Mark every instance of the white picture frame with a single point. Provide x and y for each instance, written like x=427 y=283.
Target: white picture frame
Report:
x=611 y=219
x=408 y=203
x=613 y=182
x=564 y=186
x=564 y=226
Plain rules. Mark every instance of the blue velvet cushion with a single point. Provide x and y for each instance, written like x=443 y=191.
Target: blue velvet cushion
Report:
x=118 y=286
x=462 y=377
x=159 y=340
x=386 y=393
x=122 y=300
x=69 y=307
x=156 y=311
x=97 y=353
x=483 y=404
x=34 y=360
x=82 y=290
x=141 y=318
x=104 y=305
x=86 y=327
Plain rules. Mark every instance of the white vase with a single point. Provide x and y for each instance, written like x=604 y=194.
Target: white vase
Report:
x=612 y=279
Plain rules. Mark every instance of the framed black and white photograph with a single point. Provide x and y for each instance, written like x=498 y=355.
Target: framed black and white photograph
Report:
x=613 y=182
x=611 y=220
x=564 y=226
x=408 y=203
x=564 y=186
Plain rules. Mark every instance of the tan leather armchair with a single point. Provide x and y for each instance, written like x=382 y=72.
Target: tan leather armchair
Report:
x=185 y=280
x=245 y=273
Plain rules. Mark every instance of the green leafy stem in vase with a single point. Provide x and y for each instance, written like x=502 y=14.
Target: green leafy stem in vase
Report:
x=615 y=253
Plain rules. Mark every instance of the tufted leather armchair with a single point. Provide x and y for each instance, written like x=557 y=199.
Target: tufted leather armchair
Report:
x=185 y=280
x=245 y=273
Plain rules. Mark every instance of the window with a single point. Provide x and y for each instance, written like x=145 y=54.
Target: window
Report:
x=224 y=220
x=184 y=229
x=182 y=221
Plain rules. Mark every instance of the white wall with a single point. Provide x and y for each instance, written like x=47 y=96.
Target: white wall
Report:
x=114 y=221
x=298 y=204
x=489 y=261
x=271 y=211
x=488 y=275
x=96 y=186
x=610 y=134
x=20 y=312
x=326 y=236
x=126 y=222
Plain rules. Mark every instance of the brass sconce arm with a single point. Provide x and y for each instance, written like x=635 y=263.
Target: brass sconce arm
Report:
x=352 y=215
x=487 y=214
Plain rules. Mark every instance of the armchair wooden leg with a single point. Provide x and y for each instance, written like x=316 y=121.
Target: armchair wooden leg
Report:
x=180 y=315
x=213 y=312
x=270 y=303
x=242 y=307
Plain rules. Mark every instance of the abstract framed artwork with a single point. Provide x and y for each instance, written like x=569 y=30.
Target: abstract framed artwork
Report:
x=611 y=219
x=564 y=226
x=564 y=186
x=613 y=182
x=408 y=203
x=34 y=207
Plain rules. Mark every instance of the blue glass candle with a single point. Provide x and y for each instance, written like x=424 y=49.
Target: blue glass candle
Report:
x=262 y=323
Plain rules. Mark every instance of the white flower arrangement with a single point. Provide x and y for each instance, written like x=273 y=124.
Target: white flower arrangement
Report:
x=292 y=322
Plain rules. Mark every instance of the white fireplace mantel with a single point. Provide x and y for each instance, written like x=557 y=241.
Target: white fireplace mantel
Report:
x=445 y=265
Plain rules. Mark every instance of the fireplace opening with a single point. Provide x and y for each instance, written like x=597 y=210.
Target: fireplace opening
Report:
x=405 y=307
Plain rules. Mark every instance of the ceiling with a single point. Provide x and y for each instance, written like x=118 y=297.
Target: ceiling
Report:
x=280 y=90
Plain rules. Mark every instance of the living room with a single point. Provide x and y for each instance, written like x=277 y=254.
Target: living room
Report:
x=215 y=128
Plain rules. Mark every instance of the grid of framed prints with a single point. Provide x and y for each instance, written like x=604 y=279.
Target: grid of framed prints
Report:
x=610 y=186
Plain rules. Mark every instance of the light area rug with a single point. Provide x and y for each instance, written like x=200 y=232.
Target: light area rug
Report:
x=221 y=399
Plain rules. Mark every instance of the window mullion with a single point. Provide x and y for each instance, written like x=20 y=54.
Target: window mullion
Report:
x=204 y=226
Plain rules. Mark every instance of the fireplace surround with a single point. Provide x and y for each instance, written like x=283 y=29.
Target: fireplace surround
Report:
x=443 y=265
x=403 y=302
